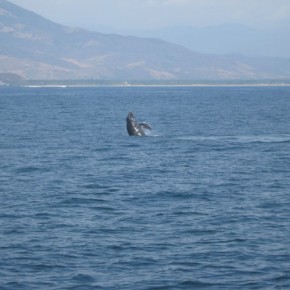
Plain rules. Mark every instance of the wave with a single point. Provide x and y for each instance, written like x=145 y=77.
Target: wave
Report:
x=239 y=139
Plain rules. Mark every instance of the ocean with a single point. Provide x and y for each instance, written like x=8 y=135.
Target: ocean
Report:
x=203 y=202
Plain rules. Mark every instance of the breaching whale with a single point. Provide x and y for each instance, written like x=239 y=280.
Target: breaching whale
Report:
x=135 y=129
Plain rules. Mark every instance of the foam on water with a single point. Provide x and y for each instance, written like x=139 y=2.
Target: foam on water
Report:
x=239 y=139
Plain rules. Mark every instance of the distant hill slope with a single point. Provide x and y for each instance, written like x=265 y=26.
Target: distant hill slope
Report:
x=36 y=48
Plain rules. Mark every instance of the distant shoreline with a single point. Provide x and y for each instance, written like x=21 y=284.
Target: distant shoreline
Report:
x=124 y=84
x=159 y=85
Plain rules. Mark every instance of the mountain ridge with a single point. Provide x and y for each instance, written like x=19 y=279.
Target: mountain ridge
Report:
x=36 y=48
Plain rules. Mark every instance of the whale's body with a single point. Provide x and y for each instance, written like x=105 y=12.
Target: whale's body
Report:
x=135 y=129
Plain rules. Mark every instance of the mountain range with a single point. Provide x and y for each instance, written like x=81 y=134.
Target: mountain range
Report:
x=35 y=48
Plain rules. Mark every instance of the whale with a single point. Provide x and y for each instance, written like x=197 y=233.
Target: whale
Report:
x=134 y=128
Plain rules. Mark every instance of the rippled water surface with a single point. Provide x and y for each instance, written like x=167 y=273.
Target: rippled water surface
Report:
x=201 y=203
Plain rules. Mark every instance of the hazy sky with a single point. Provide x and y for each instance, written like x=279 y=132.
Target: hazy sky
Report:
x=148 y=14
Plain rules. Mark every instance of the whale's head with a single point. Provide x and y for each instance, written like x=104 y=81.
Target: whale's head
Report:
x=130 y=117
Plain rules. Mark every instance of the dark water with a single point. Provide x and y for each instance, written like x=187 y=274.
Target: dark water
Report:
x=203 y=203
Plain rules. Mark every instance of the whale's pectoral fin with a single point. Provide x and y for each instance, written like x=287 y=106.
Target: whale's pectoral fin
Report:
x=145 y=125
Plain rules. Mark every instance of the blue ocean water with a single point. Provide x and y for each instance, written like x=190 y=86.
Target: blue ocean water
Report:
x=201 y=203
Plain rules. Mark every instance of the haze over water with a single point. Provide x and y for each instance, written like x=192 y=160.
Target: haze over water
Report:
x=203 y=202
